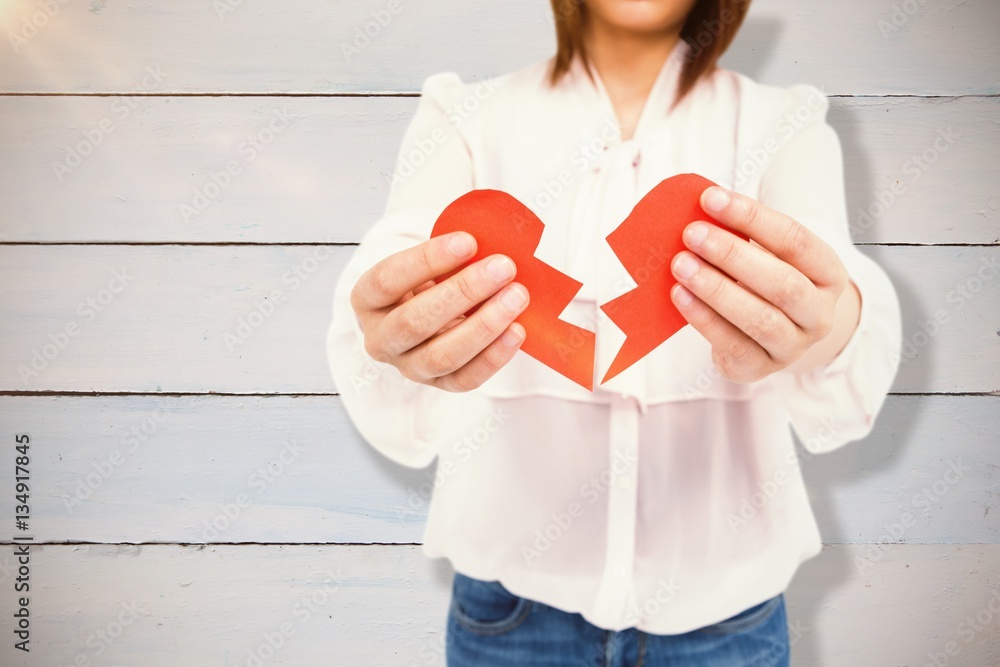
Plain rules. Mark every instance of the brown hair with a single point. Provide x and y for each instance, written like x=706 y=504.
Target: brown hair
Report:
x=709 y=28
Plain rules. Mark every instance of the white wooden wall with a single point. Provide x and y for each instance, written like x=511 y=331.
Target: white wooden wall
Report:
x=195 y=502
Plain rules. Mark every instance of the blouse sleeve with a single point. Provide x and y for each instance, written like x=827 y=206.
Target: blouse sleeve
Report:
x=836 y=403
x=433 y=168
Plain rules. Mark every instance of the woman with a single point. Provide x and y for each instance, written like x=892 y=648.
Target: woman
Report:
x=658 y=518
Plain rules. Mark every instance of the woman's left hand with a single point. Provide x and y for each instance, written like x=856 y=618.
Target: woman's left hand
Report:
x=782 y=295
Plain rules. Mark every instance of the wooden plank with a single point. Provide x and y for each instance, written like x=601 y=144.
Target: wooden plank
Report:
x=923 y=47
x=213 y=469
x=387 y=605
x=198 y=319
x=917 y=170
x=304 y=47
x=924 y=474
x=168 y=318
x=948 y=298
x=929 y=47
x=220 y=605
x=909 y=606
x=196 y=469
x=196 y=168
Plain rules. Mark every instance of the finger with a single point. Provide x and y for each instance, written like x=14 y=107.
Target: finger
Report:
x=785 y=237
x=413 y=322
x=453 y=323
x=757 y=270
x=485 y=364
x=421 y=288
x=738 y=356
x=416 y=290
x=758 y=319
x=449 y=351
x=389 y=280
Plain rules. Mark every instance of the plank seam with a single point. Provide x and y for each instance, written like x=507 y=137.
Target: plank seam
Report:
x=72 y=543
x=220 y=394
x=280 y=244
x=405 y=544
x=131 y=93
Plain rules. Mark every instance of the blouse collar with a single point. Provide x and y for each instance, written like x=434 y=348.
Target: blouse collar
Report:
x=661 y=95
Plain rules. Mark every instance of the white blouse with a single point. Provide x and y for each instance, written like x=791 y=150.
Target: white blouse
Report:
x=670 y=497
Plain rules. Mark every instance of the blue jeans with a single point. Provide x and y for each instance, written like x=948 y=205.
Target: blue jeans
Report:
x=488 y=626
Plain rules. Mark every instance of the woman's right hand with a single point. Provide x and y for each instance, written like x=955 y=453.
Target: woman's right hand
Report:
x=419 y=325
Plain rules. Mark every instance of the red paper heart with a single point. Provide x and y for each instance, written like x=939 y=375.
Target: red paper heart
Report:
x=645 y=243
x=502 y=224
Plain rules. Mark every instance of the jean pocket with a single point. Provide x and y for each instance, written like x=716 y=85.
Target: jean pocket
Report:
x=486 y=607
x=750 y=618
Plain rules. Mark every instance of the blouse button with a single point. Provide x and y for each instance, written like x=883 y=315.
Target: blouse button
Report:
x=624 y=482
x=619 y=571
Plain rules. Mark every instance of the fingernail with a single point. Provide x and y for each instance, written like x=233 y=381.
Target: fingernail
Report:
x=681 y=295
x=685 y=266
x=512 y=298
x=500 y=268
x=716 y=199
x=461 y=244
x=696 y=233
